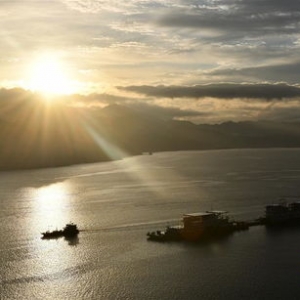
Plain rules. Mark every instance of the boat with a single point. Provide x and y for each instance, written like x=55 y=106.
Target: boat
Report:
x=200 y=226
x=69 y=231
x=282 y=213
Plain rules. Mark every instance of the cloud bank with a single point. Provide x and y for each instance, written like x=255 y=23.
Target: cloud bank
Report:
x=220 y=90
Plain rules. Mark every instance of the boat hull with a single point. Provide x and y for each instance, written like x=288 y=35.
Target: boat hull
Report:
x=70 y=231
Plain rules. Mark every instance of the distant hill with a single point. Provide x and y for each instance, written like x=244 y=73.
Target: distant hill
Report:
x=48 y=136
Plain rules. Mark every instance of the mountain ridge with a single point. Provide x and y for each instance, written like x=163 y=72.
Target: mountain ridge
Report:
x=38 y=137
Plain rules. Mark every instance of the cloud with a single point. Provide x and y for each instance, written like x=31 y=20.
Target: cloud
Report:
x=92 y=6
x=19 y=103
x=161 y=50
x=16 y=103
x=219 y=90
x=238 y=19
x=290 y=72
x=290 y=113
x=165 y=112
x=128 y=7
x=140 y=104
x=15 y=96
x=95 y=99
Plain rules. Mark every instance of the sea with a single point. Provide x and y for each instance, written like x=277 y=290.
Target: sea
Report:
x=116 y=203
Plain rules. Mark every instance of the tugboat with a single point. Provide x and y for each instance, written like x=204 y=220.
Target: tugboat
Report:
x=69 y=231
x=199 y=227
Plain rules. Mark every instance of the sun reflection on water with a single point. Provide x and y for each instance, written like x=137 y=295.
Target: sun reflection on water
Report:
x=52 y=210
x=51 y=205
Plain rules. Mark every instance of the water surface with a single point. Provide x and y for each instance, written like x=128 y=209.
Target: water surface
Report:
x=116 y=203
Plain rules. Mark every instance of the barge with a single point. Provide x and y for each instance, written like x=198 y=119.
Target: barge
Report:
x=208 y=225
x=200 y=226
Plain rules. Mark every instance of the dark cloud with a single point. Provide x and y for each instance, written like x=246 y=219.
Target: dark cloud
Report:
x=15 y=94
x=94 y=99
x=13 y=100
x=289 y=72
x=162 y=112
x=21 y=104
x=165 y=112
x=17 y=97
x=239 y=18
x=221 y=90
x=18 y=102
x=290 y=113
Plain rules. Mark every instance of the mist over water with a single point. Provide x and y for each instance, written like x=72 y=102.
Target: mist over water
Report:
x=116 y=203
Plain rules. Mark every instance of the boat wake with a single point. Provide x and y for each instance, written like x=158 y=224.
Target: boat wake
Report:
x=134 y=226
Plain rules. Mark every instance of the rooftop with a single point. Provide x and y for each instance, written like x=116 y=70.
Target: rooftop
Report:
x=199 y=214
x=218 y=212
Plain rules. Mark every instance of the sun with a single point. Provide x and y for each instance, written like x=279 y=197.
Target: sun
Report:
x=48 y=75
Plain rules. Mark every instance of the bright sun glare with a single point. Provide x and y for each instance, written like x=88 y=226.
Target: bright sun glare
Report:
x=48 y=75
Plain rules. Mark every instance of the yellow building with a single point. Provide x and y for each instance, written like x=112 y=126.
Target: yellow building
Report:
x=195 y=225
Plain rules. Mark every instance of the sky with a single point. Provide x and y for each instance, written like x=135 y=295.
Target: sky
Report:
x=203 y=61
